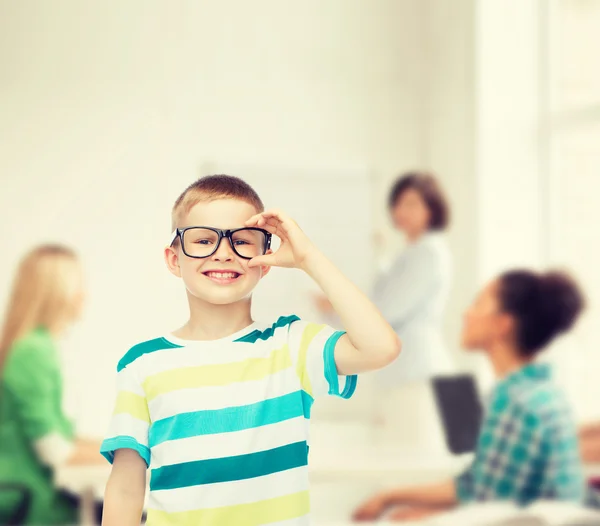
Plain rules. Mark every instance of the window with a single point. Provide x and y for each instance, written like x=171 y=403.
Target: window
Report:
x=572 y=132
x=574 y=44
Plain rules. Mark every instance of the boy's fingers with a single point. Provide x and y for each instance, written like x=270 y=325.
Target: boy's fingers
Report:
x=274 y=212
x=266 y=260
x=274 y=226
x=260 y=221
x=278 y=216
x=275 y=219
x=272 y=229
x=254 y=220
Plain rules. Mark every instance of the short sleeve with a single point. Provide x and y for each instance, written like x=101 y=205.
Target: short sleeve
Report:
x=130 y=420
x=312 y=348
x=32 y=378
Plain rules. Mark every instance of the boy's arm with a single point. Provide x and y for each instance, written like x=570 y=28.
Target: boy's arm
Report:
x=370 y=342
x=125 y=491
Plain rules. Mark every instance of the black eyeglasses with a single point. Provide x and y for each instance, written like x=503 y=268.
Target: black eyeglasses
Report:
x=204 y=241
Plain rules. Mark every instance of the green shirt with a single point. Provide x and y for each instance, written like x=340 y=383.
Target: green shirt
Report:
x=30 y=408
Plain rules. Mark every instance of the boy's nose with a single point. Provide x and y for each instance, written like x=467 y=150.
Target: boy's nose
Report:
x=224 y=252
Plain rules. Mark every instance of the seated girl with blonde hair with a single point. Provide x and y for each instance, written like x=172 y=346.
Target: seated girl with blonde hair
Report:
x=36 y=436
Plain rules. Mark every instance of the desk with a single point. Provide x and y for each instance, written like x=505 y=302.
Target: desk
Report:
x=79 y=479
x=592 y=470
x=383 y=464
x=327 y=468
x=354 y=464
x=86 y=481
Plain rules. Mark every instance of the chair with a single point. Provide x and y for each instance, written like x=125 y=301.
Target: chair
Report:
x=19 y=514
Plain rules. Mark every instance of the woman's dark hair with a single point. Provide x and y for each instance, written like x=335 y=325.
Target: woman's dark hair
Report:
x=543 y=306
x=431 y=192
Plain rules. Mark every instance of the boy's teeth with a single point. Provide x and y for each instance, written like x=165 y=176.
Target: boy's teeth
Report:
x=222 y=275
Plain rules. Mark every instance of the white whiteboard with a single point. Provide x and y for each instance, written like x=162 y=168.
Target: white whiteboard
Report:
x=333 y=207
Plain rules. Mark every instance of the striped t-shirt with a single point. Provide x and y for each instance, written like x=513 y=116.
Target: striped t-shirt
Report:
x=223 y=425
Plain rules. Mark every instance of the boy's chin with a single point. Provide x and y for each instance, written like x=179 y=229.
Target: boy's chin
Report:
x=225 y=297
x=224 y=301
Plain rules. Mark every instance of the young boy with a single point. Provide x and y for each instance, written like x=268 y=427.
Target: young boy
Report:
x=218 y=410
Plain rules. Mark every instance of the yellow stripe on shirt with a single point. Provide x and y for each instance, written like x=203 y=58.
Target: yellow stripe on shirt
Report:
x=307 y=337
x=253 y=514
x=132 y=404
x=217 y=374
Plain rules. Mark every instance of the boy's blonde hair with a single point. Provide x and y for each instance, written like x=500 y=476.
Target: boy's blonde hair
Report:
x=42 y=293
x=210 y=188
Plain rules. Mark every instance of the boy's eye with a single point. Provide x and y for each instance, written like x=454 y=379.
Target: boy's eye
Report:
x=203 y=241
x=238 y=242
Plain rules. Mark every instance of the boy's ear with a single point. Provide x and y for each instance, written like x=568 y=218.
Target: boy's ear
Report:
x=172 y=261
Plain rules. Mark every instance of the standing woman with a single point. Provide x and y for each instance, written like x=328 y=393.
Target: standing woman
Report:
x=412 y=296
x=412 y=293
x=35 y=435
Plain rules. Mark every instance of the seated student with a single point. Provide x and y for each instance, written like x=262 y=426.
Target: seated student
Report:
x=36 y=437
x=528 y=447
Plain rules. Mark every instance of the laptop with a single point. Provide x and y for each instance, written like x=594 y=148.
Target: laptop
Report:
x=460 y=410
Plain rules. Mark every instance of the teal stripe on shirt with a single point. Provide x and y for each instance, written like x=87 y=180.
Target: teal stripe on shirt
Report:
x=256 y=335
x=331 y=374
x=158 y=344
x=209 y=422
x=307 y=402
x=228 y=469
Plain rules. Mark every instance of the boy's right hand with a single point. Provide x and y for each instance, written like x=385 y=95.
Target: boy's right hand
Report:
x=295 y=246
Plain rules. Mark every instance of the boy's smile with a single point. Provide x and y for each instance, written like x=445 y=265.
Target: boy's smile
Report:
x=222 y=277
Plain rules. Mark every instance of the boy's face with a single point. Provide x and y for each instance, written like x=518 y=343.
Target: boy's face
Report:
x=224 y=277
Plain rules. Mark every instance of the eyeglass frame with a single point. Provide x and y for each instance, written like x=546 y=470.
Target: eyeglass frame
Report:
x=179 y=232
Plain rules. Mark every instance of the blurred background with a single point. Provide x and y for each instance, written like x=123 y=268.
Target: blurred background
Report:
x=108 y=110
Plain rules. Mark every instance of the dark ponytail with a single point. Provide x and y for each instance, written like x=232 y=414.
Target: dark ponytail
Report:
x=543 y=306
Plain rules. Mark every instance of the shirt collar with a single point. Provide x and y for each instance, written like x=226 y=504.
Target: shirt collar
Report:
x=532 y=371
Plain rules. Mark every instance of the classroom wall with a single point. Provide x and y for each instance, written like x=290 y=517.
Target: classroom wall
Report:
x=450 y=146
x=484 y=102
x=110 y=109
x=510 y=101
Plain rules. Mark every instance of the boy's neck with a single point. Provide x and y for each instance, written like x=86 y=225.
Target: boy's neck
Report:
x=213 y=322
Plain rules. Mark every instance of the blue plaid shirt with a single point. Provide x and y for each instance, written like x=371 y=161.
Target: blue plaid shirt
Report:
x=528 y=447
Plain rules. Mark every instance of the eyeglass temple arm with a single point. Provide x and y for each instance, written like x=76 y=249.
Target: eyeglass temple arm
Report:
x=174 y=236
